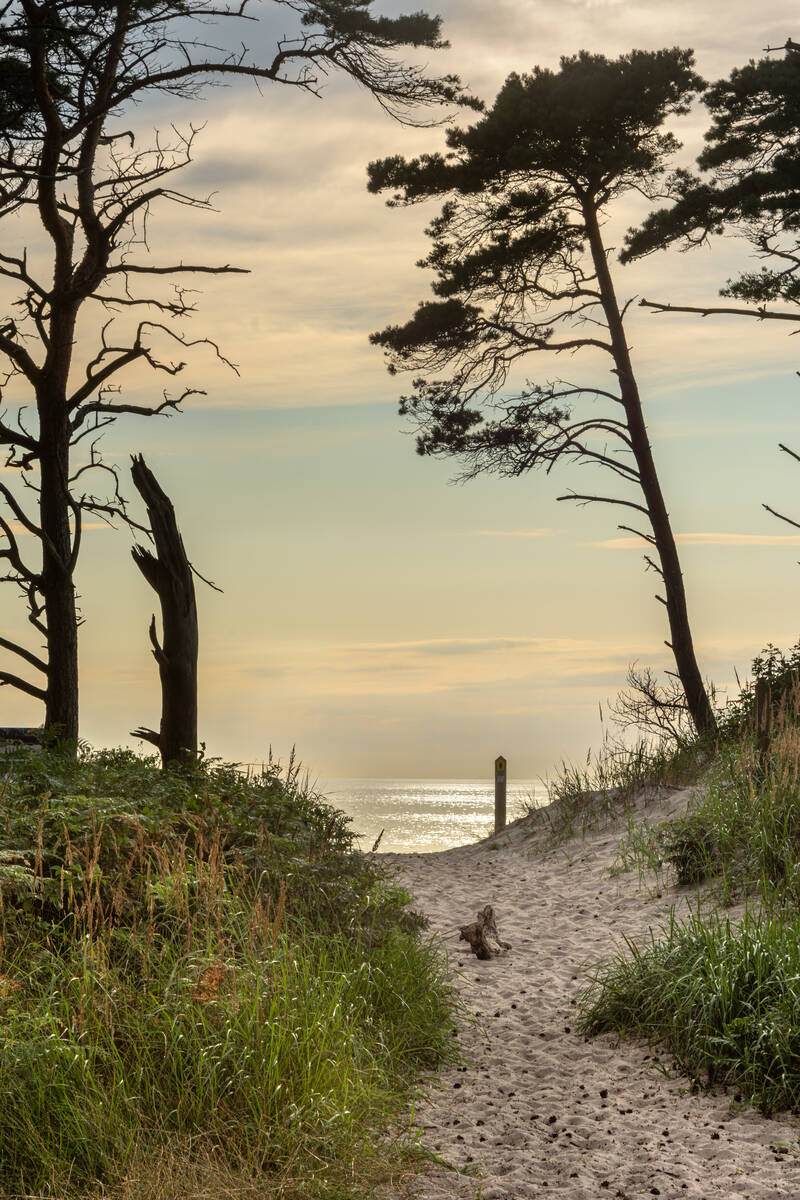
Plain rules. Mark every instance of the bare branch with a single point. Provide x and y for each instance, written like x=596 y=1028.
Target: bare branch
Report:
x=33 y=659
x=760 y=314
x=603 y=500
x=168 y=404
x=646 y=537
x=22 y=685
x=653 y=566
x=147 y=735
x=180 y=268
x=791 y=453
x=773 y=512
x=207 y=582
x=19 y=511
x=18 y=355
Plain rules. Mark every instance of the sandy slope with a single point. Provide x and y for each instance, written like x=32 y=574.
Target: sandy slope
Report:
x=539 y=1111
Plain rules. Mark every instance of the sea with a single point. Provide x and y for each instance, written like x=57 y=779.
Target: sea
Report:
x=422 y=815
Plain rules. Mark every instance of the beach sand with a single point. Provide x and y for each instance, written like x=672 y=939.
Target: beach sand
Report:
x=537 y=1110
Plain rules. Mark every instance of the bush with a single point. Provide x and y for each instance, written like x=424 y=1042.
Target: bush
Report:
x=689 y=845
x=781 y=670
x=199 y=959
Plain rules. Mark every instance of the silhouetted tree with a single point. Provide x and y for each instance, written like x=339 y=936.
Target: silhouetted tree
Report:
x=521 y=270
x=750 y=186
x=69 y=70
x=170 y=574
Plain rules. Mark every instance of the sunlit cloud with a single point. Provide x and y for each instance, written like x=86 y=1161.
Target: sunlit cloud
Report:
x=447 y=645
x=461 y=668
x=706 y=539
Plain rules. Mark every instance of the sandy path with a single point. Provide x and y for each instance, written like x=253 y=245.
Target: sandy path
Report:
x=539 y=1111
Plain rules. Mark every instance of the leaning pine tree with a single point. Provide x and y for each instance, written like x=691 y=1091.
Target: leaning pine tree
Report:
x=521 y=270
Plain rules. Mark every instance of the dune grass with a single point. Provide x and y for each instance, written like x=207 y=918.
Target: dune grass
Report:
x=740 y=835
x=585 y=797
x=722 y=996
x=201 y=980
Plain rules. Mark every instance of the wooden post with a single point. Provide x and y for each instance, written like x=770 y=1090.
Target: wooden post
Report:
x=500 y=774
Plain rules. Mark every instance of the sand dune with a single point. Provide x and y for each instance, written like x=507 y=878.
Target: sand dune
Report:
x=539 y=1111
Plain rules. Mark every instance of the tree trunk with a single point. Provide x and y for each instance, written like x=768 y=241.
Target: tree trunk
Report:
x=681 y=643
x=57 y=587
x=169 y=573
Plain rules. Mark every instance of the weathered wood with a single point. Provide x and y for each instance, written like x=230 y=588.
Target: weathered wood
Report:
x=500 y=776
x=169 y=573
x=484 y=940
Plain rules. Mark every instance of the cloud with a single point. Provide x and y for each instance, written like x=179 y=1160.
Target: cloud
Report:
x=514 y=533
x=706 y=539
x=454 y=646
x=460 y=668
x=266 y=672
x=446 y=645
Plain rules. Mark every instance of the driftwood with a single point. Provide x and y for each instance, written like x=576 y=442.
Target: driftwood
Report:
x=484 y=940
x=169 y=573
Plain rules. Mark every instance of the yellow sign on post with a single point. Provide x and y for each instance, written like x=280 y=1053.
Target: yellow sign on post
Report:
x=500 y=773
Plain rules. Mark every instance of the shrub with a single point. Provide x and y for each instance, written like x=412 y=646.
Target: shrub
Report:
x=199 y=959
x=781 y=670
x=689 y=845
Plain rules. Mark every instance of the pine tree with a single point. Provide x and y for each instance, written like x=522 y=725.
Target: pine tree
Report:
x=522 y=271
x=749 y=185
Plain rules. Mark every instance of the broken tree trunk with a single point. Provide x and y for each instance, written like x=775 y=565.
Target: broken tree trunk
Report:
x=169 y=573
x=485 y=942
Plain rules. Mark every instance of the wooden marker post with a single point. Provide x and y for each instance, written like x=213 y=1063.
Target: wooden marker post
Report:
x=500 y=774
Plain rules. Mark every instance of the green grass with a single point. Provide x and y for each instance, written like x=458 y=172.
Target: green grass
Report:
x=740 y=835
x=586 y=797
x=724 y=999
x=201 y=981
x=640 y=848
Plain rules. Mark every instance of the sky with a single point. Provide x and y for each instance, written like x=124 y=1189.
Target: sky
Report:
x=381 y=619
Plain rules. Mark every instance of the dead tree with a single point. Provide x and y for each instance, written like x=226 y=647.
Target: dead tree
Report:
x=85 y=185
x=169 y=573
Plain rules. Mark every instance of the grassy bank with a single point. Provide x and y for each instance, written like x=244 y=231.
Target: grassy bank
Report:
x=609 y=784
x=722 y=996
x=203 y=988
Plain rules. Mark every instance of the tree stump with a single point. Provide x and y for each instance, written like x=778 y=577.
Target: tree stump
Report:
x=169 y=573
x=484 y=940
